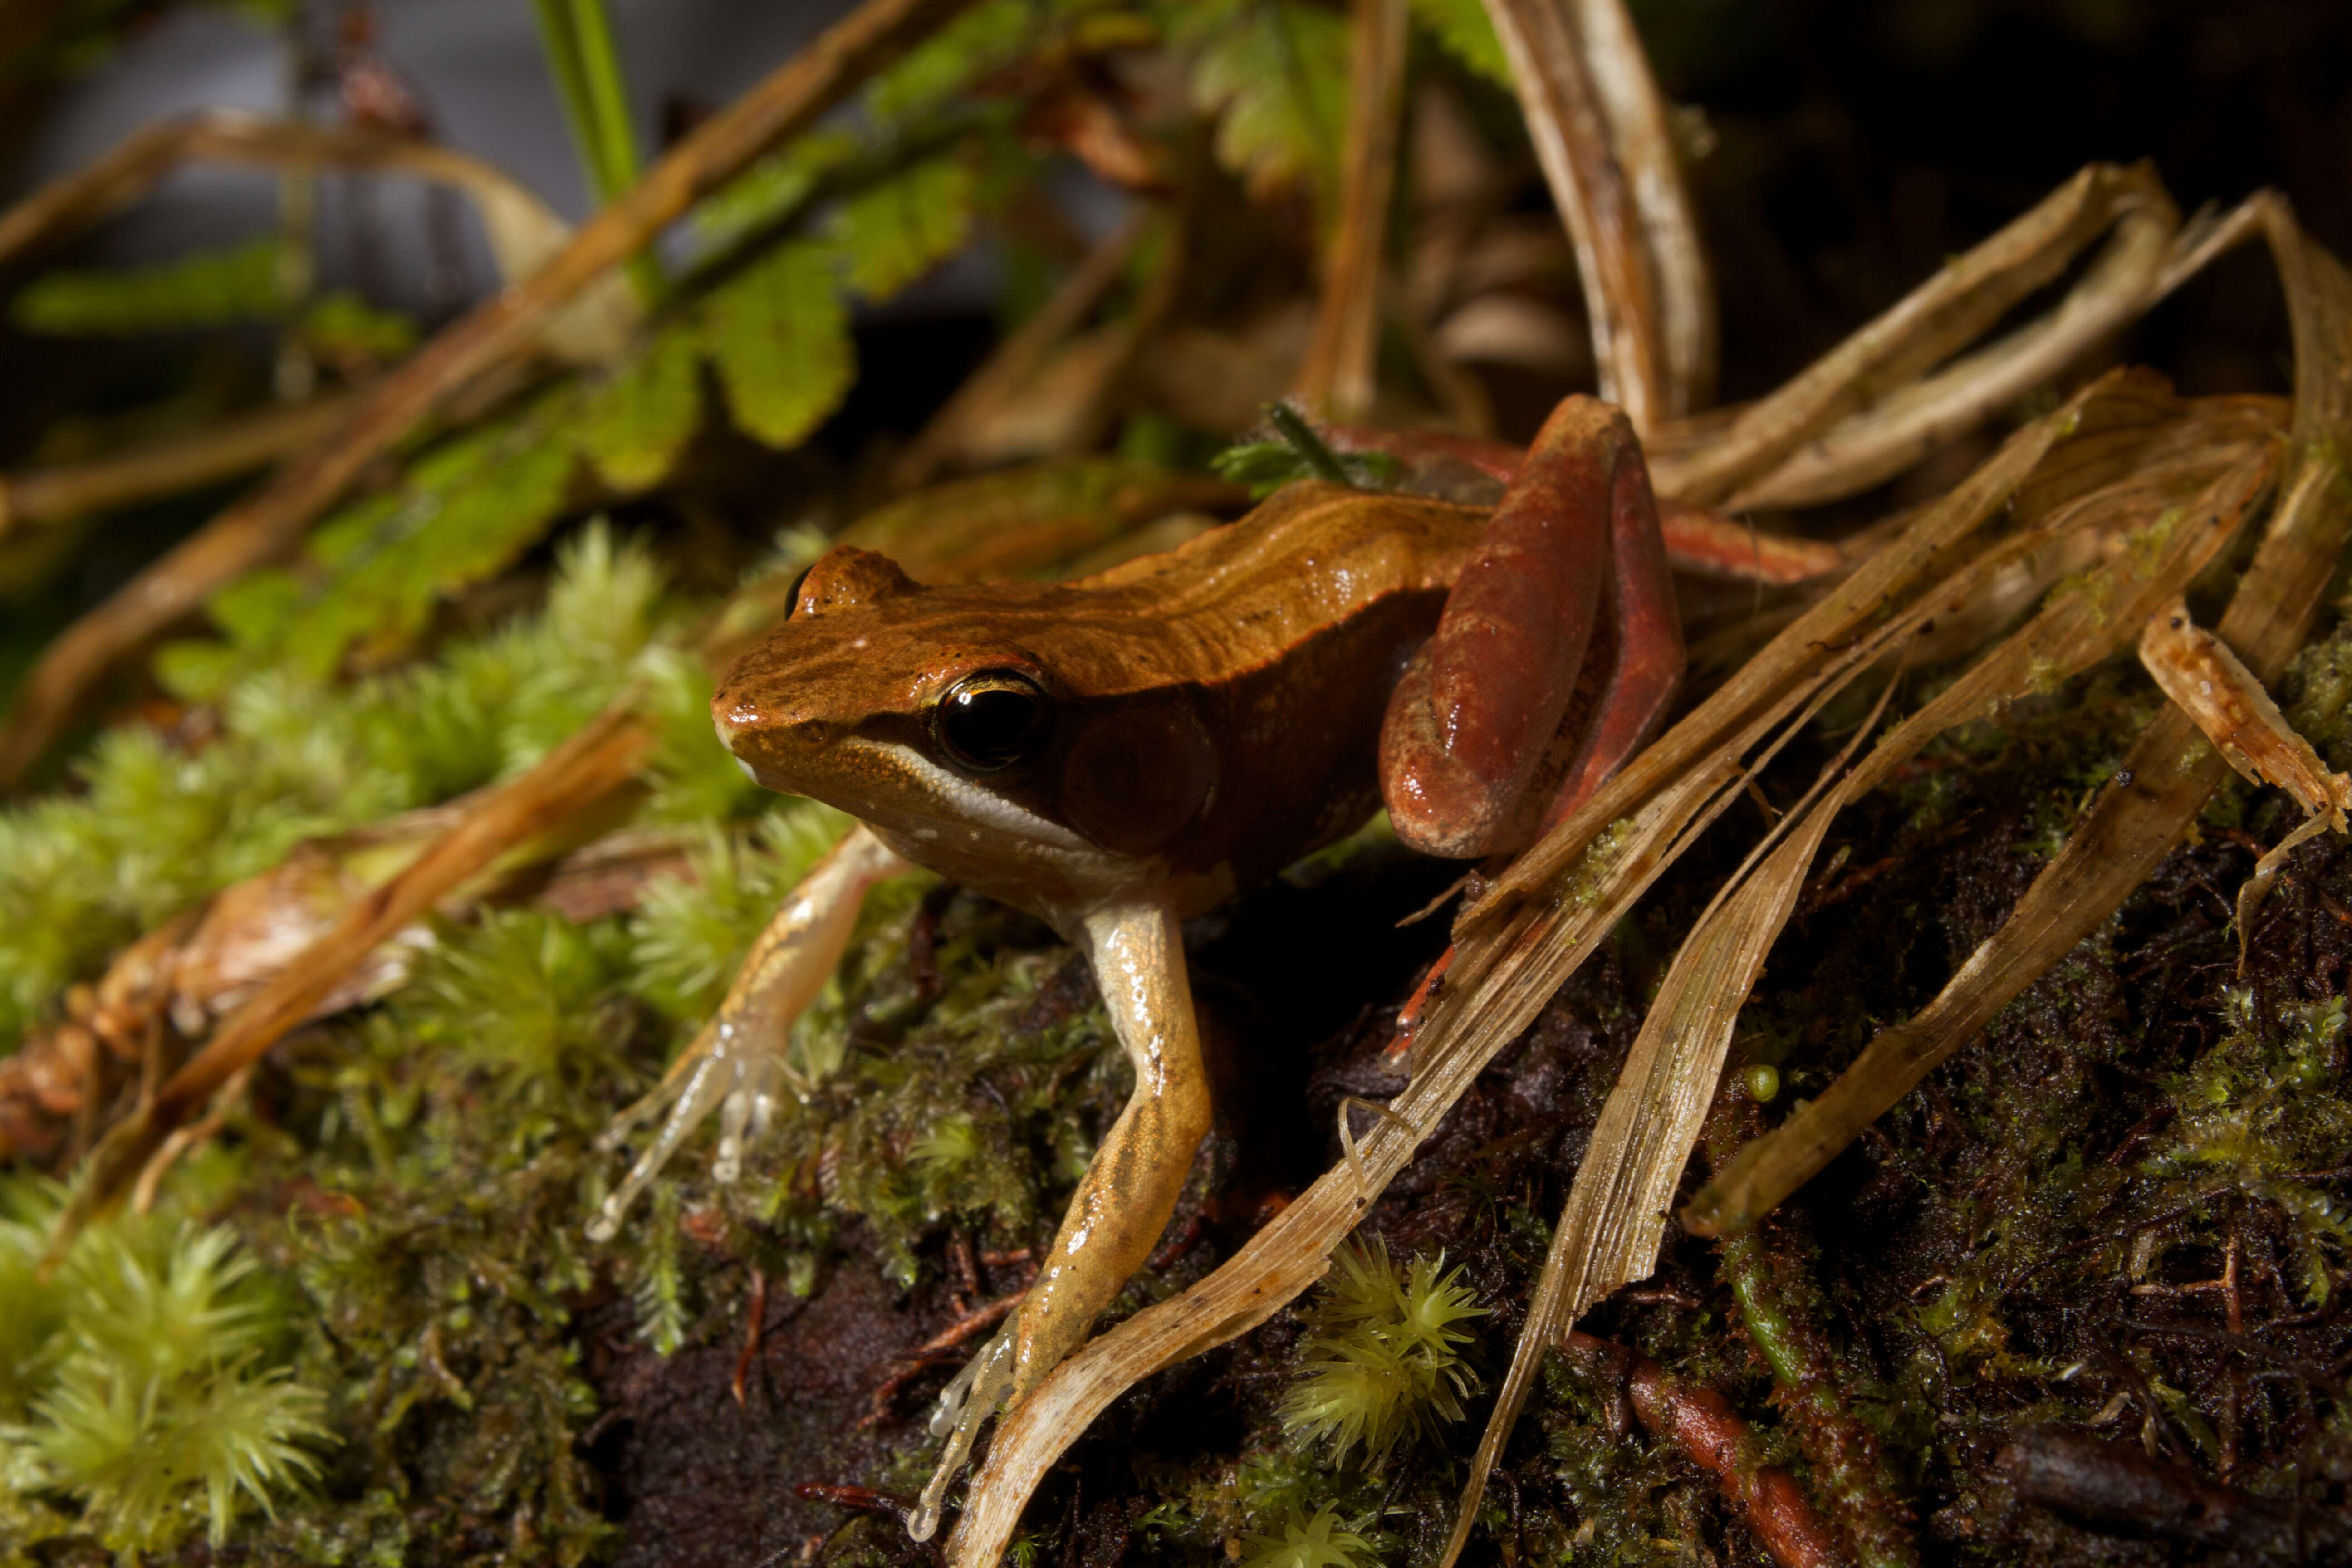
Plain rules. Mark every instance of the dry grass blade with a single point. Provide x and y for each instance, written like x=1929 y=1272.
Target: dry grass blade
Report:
x=1644 y=145
x=1616 y=1213
x=1599 y=132
x=2144 y=259
x=496 y=333
x=1335 y=377
x=2163 y=783
x=1934 y=322
x=2227 y=703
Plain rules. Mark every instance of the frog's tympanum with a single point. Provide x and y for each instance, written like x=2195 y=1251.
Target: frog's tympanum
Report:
x=1118 y=754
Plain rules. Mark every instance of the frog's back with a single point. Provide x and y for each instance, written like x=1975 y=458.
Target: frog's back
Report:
x=1312 y=558
x=1289 y=630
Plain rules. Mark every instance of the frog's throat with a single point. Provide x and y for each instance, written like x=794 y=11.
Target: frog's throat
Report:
x=969 y=805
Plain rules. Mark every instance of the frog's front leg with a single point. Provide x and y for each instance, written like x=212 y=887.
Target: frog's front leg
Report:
x=1128 y=1194
x=736 y=1064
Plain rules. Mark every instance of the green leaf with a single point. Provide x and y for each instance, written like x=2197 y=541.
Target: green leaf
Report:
x=196 y=669
x=449 y=539
x=255 y=609
x=341 y=325
x=634 y=425
x=211 y=289
x=984 y=38
x=900 y=229
x=376 y=568
x=1277 y=72
x=772 y=189
x=1468 y=35
x=779 y=338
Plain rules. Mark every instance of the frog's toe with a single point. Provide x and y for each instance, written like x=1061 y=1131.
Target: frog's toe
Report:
x=742 y=1086
x=965 y=1406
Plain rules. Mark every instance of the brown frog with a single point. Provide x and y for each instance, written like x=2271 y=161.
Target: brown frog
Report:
x=1119 y=754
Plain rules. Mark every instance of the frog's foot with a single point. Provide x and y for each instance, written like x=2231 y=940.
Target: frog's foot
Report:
x=737 y=1066
x=965 y=1405
x=731 y=1075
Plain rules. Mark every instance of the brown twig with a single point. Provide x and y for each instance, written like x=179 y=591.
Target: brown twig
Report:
x=1335 y=376
x=2114 y=1488
x=165 y=468
x=495 y=333
x=755 y=1322
x=932 y=1352
x=598 y=760
x=1017 y=359
x=1702 y=1425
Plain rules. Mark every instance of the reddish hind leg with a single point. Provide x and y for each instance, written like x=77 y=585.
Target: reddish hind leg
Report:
x=1578 y=515
x=1485 y=734
x=1645 y=667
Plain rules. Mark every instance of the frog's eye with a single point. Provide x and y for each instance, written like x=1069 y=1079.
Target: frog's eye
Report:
x=993 y=718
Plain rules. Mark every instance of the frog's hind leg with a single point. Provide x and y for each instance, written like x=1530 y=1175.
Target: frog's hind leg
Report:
x=1636 y=665
x=736 y=1064
x=1128 y=1194
x=1507 y=711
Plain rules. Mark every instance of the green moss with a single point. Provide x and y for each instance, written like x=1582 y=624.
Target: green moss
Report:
x=524 y=999
x=2249 y=1122
x=1384 y=1357
x=158 y=824
x=1322 y=1541
x=1628 y=1501
x=148 y=1392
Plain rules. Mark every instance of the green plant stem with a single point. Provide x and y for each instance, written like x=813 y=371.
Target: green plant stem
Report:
x=1782 y=1311
x=1849 y=1462
x=586 y=66
x=1293 y=427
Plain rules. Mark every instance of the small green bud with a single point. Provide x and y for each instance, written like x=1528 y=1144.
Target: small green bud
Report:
x=1762 y=1081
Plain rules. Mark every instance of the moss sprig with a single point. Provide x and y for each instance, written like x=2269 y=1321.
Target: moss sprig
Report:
x=1322 y=1541
x=1384 y=1359
x=147 y=1382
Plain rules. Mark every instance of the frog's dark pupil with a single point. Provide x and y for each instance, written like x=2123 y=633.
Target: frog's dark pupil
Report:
x=993 y=719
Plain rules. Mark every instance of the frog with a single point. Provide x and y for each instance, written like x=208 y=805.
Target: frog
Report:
x=1119 y=754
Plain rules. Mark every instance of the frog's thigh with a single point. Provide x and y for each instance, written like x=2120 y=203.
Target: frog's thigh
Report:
x=1477 y=710
x=737 y=1058
x=1643 y=665
x=1128 y=1192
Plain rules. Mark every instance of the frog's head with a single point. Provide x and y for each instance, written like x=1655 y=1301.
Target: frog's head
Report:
x=989 y=729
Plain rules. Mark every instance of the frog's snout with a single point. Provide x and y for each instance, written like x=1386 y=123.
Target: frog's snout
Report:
x=733 y=713
x=770 y=740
